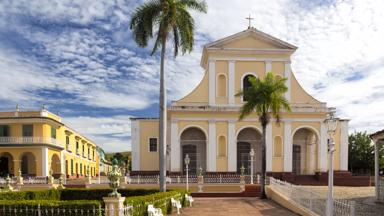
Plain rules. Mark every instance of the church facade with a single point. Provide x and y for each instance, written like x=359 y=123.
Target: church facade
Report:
x=205 y=123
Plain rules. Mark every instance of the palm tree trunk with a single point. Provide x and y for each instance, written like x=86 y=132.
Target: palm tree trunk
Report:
x=163 y=120
x=263 y=159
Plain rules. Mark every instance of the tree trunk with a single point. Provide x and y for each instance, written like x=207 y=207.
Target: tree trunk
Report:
x=162 y=121
x=263 y=159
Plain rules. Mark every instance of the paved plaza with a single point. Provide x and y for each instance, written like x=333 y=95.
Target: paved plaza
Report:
x=234 y=206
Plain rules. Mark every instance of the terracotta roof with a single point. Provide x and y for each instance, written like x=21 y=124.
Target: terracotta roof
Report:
x=377 y=133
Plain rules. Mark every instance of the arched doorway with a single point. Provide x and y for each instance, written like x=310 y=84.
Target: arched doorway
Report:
x=55 y=166
x=304 y=151
x=193 y=142
x=28 y=164
x=6 y=164
x=247 y=139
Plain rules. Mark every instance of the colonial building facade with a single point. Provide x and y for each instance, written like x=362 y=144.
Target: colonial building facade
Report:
x=37 y=143
x=205 y=123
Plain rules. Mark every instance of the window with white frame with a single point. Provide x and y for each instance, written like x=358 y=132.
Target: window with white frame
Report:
x=153 y=144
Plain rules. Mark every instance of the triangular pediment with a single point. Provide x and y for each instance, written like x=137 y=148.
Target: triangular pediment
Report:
x=251 y=39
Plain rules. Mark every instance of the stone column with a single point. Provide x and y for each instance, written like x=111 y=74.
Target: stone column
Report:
x=114 y=206
x=16 y=167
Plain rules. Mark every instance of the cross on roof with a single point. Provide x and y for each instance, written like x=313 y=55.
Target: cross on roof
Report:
x=249 y=18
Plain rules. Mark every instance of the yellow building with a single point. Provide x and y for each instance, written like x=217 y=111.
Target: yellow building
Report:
x=37 y=143
x=205 y=125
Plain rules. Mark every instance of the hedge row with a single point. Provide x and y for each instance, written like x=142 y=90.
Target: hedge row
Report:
x=71 y=194
x=50 y=208
x=159 y=200
x=31 y=195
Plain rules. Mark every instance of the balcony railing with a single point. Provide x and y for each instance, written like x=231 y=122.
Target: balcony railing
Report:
x=31 y=140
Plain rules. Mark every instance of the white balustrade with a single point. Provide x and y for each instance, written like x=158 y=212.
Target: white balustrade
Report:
x=31 y=140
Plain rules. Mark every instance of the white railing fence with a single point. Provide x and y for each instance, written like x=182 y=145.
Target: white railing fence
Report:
x=312 y=201
x=181 y=179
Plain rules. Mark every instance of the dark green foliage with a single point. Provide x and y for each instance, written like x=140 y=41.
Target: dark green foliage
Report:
x=71 y=194
x=361 y=153
x=98 y=194
x=31 y=195
x=85 y=199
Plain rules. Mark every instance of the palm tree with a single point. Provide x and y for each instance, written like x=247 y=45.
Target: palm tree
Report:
x=266 y=98
x=166 y=18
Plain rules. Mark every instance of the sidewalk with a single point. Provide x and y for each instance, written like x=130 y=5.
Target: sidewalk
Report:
x=234 y=206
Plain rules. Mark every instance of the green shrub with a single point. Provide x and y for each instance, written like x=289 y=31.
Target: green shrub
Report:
x=49 y=208
x=71 y=194
x=31 y=195
x=159 y=200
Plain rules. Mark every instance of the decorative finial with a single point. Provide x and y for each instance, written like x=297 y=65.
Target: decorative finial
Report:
x=17 y=108
x=249 y=18
x=43 y=107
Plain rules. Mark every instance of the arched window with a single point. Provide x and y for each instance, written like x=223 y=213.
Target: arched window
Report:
x=246 y=84
x=278 y=147
x=222 y=147
x=221 y=86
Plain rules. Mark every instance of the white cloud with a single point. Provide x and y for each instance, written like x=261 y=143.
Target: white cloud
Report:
x=111 y=133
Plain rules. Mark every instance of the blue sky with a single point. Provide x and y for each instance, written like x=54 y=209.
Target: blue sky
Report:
x=78 y=58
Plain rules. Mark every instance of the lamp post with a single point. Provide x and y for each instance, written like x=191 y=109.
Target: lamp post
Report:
x=187 y=160
x=252 y=154
x=331 y=123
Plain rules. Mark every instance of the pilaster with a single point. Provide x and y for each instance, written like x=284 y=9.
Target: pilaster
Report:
x=268 y=66
x=288 y=74
x=212 y=82
x=323 y=148
x=269 y=147
x=344 y=145
x=287 y=146
x=231 y=82
x=212 y=151
x=44 y=162
x=232 y=156
x=175 y=147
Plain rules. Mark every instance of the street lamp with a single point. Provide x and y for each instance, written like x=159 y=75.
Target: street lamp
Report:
x=252 y=154
x=187 y=160
x=331 y=123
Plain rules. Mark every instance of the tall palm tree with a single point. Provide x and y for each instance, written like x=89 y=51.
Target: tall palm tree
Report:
x=168 y=19
x=266 y=98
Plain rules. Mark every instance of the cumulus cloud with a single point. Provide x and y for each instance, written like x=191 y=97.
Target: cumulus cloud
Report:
x=112 y=133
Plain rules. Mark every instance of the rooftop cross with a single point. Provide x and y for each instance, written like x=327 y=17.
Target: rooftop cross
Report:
x=249 y=18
